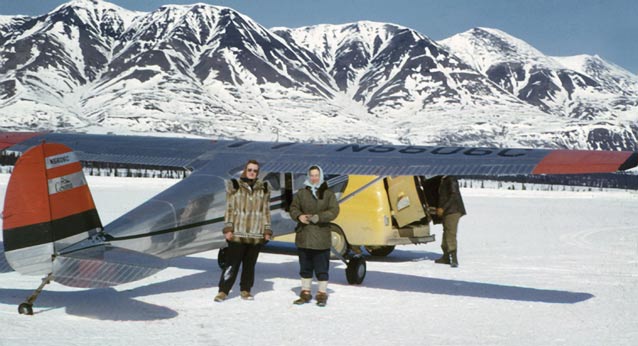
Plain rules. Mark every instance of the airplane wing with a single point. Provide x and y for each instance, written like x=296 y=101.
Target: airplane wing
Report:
x=194 y=153
x=141 y=151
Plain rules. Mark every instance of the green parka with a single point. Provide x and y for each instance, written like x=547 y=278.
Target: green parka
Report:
x=314 y=235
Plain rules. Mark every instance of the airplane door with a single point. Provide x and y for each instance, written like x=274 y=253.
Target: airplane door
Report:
x=404 y=200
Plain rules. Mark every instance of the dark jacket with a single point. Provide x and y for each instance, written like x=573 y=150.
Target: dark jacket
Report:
x=314 y=235
x=450 y=196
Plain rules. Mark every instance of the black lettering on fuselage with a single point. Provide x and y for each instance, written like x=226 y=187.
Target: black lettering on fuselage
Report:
x=478 y=152
x=355 y=147
x=59 y=160
x=506 y=152
x=446 y=151
x=381 y=149
x=412 y=150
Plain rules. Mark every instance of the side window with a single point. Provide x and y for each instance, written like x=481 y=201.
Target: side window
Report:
x=298 y=181
x=273 y=181
x=337 y=183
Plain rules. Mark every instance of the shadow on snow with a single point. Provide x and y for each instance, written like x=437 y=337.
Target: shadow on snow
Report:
x=110 y=304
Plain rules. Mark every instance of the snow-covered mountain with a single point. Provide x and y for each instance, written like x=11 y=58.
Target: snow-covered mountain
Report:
x=50 y=63
x=585 y=88
x=611 y=77
x=92 y=66
x=387 y=66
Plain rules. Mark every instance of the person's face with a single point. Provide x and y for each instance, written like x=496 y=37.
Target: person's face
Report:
x=252 y=170
x=314 y=176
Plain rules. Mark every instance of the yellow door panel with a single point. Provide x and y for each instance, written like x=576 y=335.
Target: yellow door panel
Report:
x=404 y=200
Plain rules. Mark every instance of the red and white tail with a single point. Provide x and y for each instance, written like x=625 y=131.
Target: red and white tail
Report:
x=47 y=207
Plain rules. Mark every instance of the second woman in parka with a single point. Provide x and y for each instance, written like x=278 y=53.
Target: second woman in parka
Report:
x=314 y=207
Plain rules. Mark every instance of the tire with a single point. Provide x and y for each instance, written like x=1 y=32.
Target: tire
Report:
x=25 y=309
x=339 y=241
x=221 y=258
x=380 y=251
x=356 y=270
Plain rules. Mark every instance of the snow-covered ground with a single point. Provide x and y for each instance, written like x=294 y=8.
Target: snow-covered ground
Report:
x=536 y=268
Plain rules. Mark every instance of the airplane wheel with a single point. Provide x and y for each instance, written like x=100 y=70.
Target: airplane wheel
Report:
x=339 y=241
x=221 y=258
x=380 y=251
x=25 y=309
x=356 y=270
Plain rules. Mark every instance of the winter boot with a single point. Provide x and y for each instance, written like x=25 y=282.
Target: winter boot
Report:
x=322 y=298
x=453 y=261
x=444 y=259
x=220 y=297
x=245 y=295
x=304 y=297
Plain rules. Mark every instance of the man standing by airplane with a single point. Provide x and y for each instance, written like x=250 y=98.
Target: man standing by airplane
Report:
x=246 y=228
x=450 y=208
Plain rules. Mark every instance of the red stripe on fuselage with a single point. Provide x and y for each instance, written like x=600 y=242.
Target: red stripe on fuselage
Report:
x=581 y=162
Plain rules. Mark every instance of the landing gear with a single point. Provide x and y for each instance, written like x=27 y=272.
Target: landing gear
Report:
x=26 y=308
x=356 y=270
x=355 y=266
x=351 y=256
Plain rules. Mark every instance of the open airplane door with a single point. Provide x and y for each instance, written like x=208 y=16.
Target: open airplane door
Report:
x=404 y=200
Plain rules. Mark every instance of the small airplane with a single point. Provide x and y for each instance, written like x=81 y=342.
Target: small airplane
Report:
x=51 y=227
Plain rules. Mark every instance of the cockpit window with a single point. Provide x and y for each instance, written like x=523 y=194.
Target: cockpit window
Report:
x=273 y=179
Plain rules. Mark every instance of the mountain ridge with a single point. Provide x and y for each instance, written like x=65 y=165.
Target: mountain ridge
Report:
x=93 y=66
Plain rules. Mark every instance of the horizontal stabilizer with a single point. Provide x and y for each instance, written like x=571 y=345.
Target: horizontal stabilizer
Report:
x=104 y=266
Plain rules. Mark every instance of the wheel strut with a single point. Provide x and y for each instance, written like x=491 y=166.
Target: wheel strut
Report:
x=26 y=308
x=355 y=266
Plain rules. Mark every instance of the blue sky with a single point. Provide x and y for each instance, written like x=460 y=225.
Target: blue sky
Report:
x=608 y=28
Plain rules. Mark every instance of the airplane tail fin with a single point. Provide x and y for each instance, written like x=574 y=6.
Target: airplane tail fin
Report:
x=47 y=207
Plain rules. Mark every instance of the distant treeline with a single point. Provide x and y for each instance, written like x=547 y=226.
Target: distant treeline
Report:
x=133 y=170
x=8 y=160
x=600 y=180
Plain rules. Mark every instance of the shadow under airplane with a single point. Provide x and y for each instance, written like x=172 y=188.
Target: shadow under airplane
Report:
x=110 y=304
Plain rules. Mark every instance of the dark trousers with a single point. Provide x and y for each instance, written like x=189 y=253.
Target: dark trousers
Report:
x=317 y=261
x=450 y=229
x=239 y=254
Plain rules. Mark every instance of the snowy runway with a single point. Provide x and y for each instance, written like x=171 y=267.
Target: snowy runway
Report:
x=536 y=268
